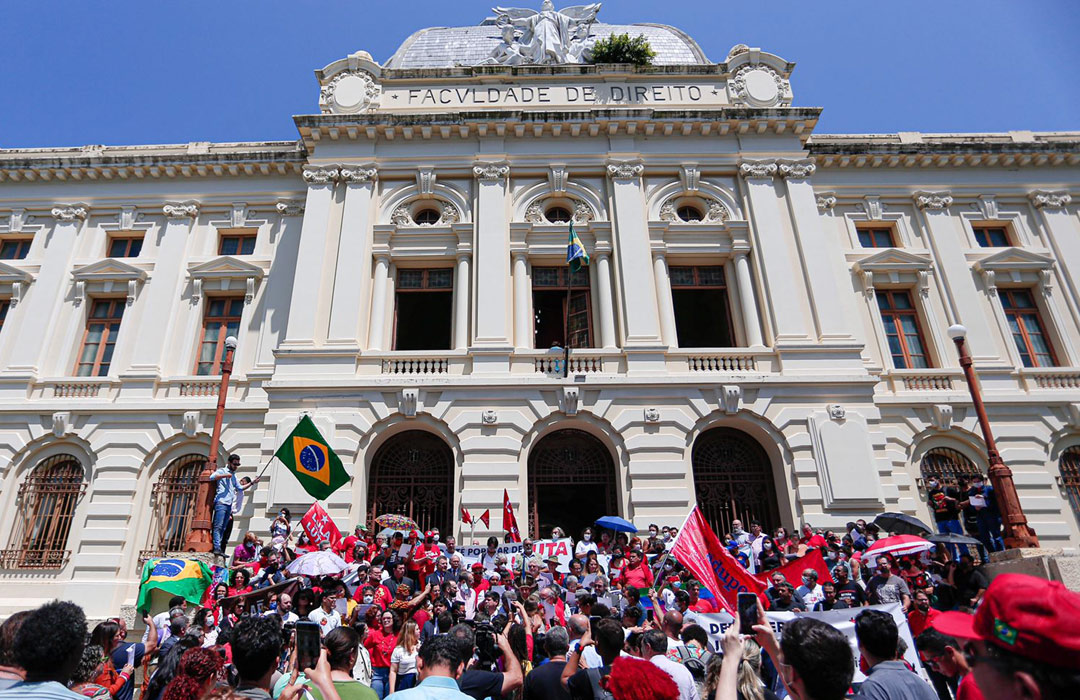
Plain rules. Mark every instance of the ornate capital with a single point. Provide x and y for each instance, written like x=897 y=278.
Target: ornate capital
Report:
x=796 y=169
x=290 y=207
x=758 y=169
x=625 y=170
x=932 y=200
x=356 y=174
x=491 y=172
x=314 y=175
x=825 y=201
x=181 y=210
x=70 y=213
x=1045 y=199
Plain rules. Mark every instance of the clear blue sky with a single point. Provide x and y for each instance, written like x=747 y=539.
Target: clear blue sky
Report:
x=167 y=71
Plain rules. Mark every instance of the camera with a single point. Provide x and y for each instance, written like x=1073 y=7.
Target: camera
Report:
x=487 y=649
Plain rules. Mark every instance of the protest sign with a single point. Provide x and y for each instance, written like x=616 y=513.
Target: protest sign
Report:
x=716 y=624
x=319 y=526
x=561 y=549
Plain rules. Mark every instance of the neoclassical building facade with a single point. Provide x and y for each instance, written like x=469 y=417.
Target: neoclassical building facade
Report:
x=761 y=329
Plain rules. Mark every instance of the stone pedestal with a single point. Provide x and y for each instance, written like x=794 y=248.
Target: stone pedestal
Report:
x=1046 y=563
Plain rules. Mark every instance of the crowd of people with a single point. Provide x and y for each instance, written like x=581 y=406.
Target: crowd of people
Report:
x=411 y=616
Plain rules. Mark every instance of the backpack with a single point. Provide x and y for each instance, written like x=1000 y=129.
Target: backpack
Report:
x=696 y=665
x=598 y=692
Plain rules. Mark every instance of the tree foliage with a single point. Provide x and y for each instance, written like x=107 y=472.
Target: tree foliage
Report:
x=622 y=48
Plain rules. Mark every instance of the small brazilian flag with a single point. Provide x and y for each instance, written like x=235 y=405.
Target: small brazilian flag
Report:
x=575 y=251
x=177 y=576
x=311 y=461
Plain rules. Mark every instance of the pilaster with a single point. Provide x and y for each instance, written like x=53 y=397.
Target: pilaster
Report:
x=492 y=343
x=604 y=293
x=351 y=278
x=1062 y=233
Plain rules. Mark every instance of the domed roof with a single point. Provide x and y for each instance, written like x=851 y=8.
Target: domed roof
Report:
x=449 y=47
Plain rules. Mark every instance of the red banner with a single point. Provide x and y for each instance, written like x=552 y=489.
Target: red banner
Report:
x=509 y=521
x=792 y=571
x=319 y=526
x=465 y=517
x=698 y=549
x=485 y=518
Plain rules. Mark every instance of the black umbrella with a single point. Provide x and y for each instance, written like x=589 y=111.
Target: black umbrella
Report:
x=951 y=538
x=901 y=524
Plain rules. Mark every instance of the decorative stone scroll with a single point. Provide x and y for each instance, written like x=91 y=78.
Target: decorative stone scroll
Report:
x=796 y=169
x=70 y=213
x=350 y=92
x=290 y=207
x=356 y=174
x=320 y=175
x=758 y=169
x=181 y=210
x=625 y=170
x=1045 y=199
x=933 y=200
x=491 y=172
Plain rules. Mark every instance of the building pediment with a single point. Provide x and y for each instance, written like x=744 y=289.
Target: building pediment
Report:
x=108 y=269
x=893 y=259
x=1014 y=259
x=13 y=282
x=224 y=274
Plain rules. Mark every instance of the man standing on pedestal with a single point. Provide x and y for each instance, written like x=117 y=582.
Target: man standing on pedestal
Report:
x=228 y=488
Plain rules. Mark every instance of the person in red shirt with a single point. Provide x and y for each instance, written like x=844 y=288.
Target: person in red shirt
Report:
x=423 y=558
x=383 y=596
x=480 y=581
x=637 y=573
x=346 y=546
x=380 y=642
x=698 y=604
x=921 y=614
x=943 y=654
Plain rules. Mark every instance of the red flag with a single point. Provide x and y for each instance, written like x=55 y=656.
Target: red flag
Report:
x=792 y=571
x=319 y=526
x=509 y=521
x=465 y=517
x=698 y=549
x=485 y=518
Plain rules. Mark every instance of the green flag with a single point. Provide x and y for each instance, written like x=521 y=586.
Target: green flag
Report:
x=311 y=461
x=184 y=577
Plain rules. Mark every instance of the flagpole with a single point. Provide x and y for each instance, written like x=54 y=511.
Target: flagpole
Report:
x=266 y=466
x=566 y=324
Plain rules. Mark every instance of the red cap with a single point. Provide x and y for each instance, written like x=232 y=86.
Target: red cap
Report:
x=429 y=534
x=1030 y=617
x=478 y=565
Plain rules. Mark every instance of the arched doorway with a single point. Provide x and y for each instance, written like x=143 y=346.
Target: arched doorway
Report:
x=412 y=474
x=571 y=483
x=733 y=479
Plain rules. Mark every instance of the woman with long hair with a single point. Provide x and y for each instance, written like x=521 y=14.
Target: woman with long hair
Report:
x=749 y=685
x=403 y=658
x=90 y=667
x=585 y=544
x=169 y=666
x=380 y=641
x=107 y=636
x=241 y=582
x=771 y=558
x=281 y=527
x=197 y=675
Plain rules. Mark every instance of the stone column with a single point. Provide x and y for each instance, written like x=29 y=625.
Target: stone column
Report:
x=522 y=328
x=461 y=302
x=379 y=286
x=492 y=256
x=748 y=300
x=641 y=322
x=607 y=305
x=821 y=254
x=163 y=294
x=664 y=302
x=354 y=245
x=1062 y=233
x=45 y=296
x=781 y=272
x=963 y=302
x=305 y=302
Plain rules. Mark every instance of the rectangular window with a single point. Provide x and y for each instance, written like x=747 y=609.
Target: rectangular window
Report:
x=702 y=312
x=14 y=248
x=220 y=320
x=1027 y=328
x=902 y=330
x=125 y=246
x=99 y=339
x=237 y=241
x=992 y=237
x=549 y=307
x=876 y=237
x=423 y=309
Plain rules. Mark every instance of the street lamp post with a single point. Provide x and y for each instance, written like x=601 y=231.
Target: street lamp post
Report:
x=1018 y=533
x=200 y=538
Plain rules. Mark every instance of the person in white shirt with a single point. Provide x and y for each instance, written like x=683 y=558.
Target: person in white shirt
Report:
x=810 y=591
x=586 y=544
x=161 y=620
x=654 y=649
x=325 y=616
x=284 y=609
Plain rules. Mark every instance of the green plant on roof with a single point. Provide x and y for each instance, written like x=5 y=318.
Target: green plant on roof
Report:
x=622 y=48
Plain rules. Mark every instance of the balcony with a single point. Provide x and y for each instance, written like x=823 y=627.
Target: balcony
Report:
x=417 y=364
x=905 y=381
x=1050 y=378
x=721 y=361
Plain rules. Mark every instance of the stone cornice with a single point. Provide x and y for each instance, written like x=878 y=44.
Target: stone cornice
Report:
x=1014 y=149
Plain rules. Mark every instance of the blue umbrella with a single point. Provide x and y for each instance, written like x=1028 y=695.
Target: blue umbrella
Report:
x=614 y=522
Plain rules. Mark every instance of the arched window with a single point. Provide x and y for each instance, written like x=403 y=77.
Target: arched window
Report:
x=46 y=507
x=733 y=479
x=1070 y=476
x=558 y=215
x=947 y=466
x=173 y=503
x=412 y=474
x=428 y=217
x=571 y=483
x=689 y=214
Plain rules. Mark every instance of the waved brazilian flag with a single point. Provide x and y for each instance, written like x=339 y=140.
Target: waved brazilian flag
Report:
x=311 y=461
x=177 y=576
x=575 y=251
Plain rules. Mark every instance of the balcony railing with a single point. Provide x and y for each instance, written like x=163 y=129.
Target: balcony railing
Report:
x=34 y=559
x=1051 y=378
x=721 y=361
x=925 y=380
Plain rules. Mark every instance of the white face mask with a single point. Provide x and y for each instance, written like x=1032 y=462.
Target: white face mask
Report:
x=767 y=545
x=369 y=599
x=667 y=535
x=587 y=536
x=652 y=533
x=436 y=538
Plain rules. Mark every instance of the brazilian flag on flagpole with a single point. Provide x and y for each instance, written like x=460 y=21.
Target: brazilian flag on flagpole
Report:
x=575 y=251
x=184 y=577
x=310 y=459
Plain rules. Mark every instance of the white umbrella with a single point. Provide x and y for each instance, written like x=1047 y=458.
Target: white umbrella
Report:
x=321 y=563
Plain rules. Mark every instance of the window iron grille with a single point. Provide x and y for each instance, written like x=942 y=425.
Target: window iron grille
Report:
x=173 y=504
x=46 y=505
x=733 y=480
x=412 y=474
